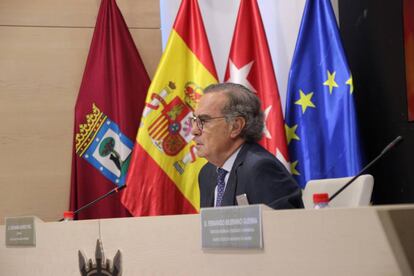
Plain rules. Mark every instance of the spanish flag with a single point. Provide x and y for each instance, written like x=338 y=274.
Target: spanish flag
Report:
x=163 y=174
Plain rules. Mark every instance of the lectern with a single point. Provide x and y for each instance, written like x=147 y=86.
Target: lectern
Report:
x=352 y=241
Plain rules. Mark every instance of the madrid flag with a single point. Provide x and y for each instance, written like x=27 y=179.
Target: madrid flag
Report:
x=109 y=104
x=164 y=168
x=250 y=64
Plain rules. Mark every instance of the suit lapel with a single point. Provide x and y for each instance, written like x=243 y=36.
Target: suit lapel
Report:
x=229 y=197
x=212 y=182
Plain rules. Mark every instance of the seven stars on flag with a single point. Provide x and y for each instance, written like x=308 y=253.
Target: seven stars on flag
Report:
x=305 y=101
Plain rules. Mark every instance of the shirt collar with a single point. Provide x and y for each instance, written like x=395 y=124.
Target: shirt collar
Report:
x=228 y=165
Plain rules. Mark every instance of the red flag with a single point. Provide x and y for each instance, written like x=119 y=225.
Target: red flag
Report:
x=163 y=178
x=107 y=112
x=250 y=64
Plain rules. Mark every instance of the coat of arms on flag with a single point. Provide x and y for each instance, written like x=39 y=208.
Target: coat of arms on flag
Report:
x=170 y=130
x=102 y=144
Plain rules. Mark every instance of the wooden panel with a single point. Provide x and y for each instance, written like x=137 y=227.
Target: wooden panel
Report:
x=148 y=42
x=40 y=74
x=33 y=192
x=75 y=13
x=43 y=50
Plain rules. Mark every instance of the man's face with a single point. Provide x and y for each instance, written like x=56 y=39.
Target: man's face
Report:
x=213 y=140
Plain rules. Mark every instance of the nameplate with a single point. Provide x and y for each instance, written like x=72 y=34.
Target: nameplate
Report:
x=238 y=227
x=20 y=231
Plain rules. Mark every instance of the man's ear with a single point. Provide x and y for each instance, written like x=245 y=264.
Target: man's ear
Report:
x=237 y=126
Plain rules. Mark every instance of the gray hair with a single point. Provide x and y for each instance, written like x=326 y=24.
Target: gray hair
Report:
x=241 y=103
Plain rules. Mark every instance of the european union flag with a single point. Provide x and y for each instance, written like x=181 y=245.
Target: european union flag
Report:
x=320 y=115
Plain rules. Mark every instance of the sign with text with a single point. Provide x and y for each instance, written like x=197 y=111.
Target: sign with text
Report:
x=20 y=231
x=238 y=227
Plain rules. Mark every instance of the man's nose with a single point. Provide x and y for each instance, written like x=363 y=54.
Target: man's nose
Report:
x=195 y=131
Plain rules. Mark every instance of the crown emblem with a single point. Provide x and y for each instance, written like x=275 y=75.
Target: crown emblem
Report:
x=193 y=93
x=101 y=266
x=87 y=131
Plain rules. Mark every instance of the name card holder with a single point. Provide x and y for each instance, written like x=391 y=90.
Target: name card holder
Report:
x=232 y=227
x=21 y=231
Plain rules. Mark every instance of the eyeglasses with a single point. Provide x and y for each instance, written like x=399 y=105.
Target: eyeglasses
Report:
x=202 y=119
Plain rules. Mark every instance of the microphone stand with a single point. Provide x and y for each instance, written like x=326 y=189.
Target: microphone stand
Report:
x=384 y=151
x=114 y=190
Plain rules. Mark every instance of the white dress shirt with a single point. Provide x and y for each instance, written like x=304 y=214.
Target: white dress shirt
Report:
x=228 y=165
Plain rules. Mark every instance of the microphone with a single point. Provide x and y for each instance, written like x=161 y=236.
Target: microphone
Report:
x=389 y=147
x=114 y=190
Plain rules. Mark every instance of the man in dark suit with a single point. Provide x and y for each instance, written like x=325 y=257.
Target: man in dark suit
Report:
x=226 y=126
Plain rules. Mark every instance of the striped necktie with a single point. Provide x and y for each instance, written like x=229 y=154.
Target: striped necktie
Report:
x=221 y=175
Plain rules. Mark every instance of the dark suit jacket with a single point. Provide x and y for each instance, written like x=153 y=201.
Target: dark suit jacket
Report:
x=256 y=173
